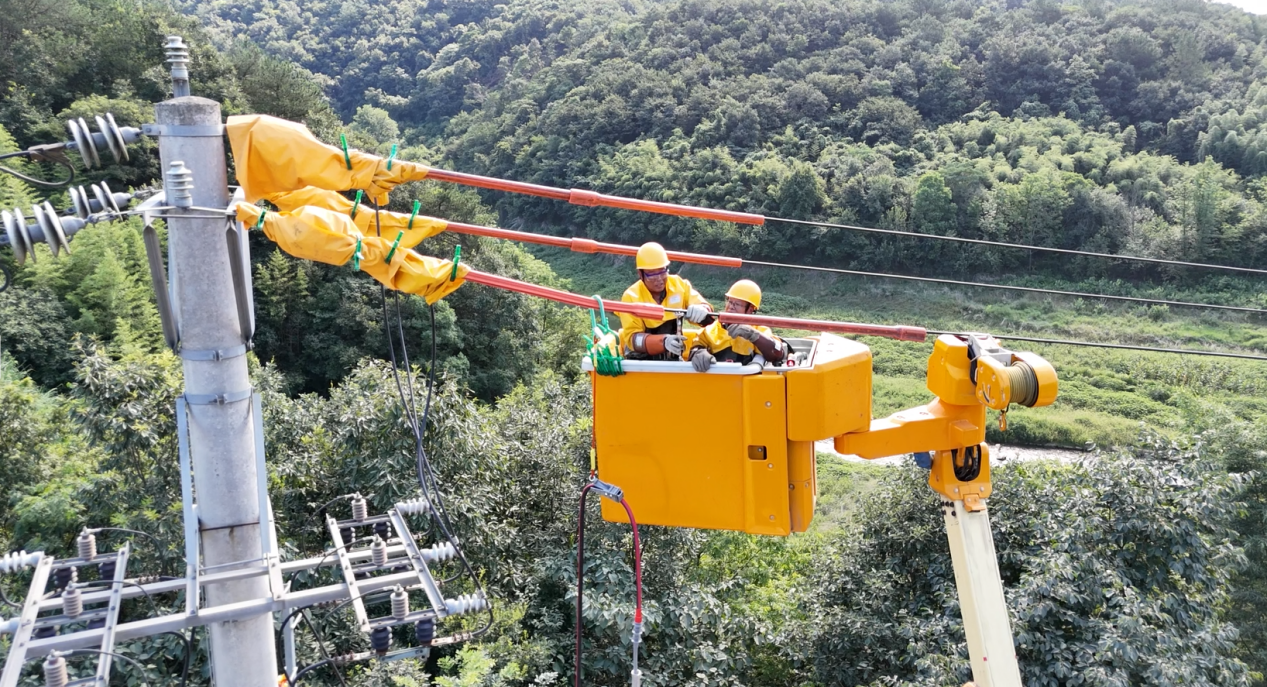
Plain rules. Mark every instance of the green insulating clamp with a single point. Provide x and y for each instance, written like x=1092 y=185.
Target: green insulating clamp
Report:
x=346 y=158
x=457 y=257
x=412 y=215
x=395 y=244
x=259 y=223
x=356 y=204
x=356 y=255
x=391 y=157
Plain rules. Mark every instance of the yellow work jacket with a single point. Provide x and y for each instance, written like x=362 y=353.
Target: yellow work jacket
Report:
x=726 y=348
x=678 y=293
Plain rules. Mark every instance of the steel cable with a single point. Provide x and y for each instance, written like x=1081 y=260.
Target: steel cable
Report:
x=1021 y=246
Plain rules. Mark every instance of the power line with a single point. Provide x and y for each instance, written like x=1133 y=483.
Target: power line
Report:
x=1003 y=244
x=1007 y=287
x=1128 y=347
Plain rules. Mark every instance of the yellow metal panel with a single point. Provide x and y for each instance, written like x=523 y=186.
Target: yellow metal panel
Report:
x=650 y=444
x=678 y=446
x=834 y=395
x=765 y=439
x=948 y=372
x=802 y=483
x=930 y=427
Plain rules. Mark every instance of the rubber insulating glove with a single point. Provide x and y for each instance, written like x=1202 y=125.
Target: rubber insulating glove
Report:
x=675 y=344
x=412 y=230
x=701 y=359
x=273 y=156
x=742 y=331
x=321 y=235
x=697 y=313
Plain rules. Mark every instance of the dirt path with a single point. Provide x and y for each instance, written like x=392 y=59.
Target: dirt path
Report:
x=999 y=453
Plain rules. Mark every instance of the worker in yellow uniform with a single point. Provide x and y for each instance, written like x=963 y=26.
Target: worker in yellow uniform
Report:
x=737 y=343
x=643 y=339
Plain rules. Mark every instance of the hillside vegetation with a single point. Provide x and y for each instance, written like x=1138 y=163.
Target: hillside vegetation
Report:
x=1102 y=125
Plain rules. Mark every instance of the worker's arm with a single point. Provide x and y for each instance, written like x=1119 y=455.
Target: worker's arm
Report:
x=772 y=348
x=629 y=326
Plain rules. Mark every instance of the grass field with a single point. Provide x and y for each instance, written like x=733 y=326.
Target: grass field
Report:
x=1106 y=395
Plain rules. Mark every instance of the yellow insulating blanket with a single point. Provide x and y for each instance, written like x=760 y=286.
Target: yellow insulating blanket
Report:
x=391 y=223
x=322 y=235
x=276 y=156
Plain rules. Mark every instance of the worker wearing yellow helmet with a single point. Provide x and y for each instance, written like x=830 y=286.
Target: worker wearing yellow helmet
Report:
x=737 y=343
x=662 y=339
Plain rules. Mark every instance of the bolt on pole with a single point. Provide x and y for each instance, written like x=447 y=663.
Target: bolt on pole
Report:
x=217 y=388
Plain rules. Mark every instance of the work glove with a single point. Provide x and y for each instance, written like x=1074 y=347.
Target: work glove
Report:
x=701 y=360
x=742 y=331
x=675 y=344
x=696 y=314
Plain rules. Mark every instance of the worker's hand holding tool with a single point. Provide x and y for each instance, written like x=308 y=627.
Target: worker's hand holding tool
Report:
x=675 y=344
x=696 y=314
x=742 y=331
x=701 y=360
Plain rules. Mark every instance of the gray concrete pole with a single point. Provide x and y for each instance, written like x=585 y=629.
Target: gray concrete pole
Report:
x=221 y=436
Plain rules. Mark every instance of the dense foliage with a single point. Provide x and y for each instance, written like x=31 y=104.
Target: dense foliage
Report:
x=1072 y=125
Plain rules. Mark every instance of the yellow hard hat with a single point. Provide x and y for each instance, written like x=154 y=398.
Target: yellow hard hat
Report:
x=746 y=290
x=651 y=256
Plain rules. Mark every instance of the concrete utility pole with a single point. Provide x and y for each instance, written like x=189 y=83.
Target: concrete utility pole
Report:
x=217 y=388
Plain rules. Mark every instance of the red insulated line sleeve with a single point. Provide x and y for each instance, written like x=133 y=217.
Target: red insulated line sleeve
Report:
x=580 y=245
x=497 y=184
x=901 y=333
x=590 y=198
x=644 y=310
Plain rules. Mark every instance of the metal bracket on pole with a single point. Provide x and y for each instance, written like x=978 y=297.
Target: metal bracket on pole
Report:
x=112 y=618
x=192 y=561
x=349 y=578
x=26 y=623
x=241 y=291
x=158 y=278
x=268 y=535
x=985 y=618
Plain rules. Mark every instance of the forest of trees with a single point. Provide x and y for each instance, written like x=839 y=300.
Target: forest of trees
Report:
x=1106 y=125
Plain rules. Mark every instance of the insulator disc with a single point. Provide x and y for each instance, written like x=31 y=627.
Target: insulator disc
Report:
x=79 y=201
x=45 y=229
x=359 y=509
x=111 y=143
x=400 y=604
x=118 y=138
x=381 y=640
x=106 y=205
x=92 y=145
x=72 y=602
x=383 y=529
x=55 y=672
x=111 y=202
x=24 y=233
x=55 y=225
x=15 y=240
x=425 y=631
x=378 y=551
x=86 y=544
x=78 y=135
